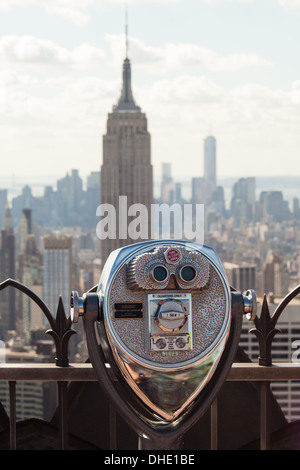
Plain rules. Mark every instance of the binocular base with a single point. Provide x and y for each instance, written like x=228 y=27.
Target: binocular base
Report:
x=145 y=443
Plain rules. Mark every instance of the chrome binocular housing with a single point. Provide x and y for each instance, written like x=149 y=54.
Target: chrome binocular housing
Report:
x=165 y=315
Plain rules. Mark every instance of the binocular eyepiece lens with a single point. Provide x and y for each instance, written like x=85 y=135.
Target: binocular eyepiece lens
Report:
x=160 y=273
x=187 y=273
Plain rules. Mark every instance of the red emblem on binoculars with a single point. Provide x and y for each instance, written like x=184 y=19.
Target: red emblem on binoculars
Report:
x=172 y=255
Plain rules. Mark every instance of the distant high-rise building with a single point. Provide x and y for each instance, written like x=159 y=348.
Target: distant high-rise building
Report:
x=167 y=191
x=296 y=208
x=210 y=165
x=30 y=263
x=241 y=277
x=3 y=200
x=7 y=270
x=93 y=180
x=25 y=228
x=274 y=206
x=244 y=189
x=275 y=277
x=126 y=169
x=57 y=282
x=198 y=190
x=178 y=193
x=91 y=200
x=70 y=195
x=243 y=200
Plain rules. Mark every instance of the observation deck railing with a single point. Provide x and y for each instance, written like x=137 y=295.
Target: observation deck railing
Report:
x=62 y=372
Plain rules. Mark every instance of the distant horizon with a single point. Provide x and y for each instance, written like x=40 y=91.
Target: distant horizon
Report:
x=37 y=183
x=156 y=175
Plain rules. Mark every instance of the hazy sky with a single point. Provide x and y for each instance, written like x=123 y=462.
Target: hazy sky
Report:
x=198 y=66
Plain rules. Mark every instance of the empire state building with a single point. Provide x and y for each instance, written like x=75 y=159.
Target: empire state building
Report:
x=126 y=169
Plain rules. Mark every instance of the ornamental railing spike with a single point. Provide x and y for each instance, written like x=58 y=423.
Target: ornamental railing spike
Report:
x=60 y=327
x=265 y=326
x=61 y=333
x=265 y=331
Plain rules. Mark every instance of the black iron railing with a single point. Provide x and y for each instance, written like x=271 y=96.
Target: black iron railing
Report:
x=60 y=326
x=62 y=372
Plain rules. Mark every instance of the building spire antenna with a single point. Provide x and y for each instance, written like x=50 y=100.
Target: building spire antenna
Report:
x=126 y=32
x=126 y=101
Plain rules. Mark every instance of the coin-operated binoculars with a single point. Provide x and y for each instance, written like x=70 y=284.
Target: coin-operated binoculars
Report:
x=162 y=331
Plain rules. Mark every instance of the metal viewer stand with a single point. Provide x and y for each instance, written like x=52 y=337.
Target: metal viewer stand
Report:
x=162 y=368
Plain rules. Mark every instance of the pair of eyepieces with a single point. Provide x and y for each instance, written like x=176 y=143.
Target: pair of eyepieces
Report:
x=186 y=273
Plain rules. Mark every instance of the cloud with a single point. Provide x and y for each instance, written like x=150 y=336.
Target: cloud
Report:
x=66 y=114
x=254 y=104
x=185 y=89
x=189 y=100
x=251 y=121
x=65 y=99
x=31 y=49
x=289 y=3
x=182 y=54
x=212 y=2
x=78 y=11
x=172 y=1
x=191 y=54
x=133 y=2
x=75 y=11
x=57 y=101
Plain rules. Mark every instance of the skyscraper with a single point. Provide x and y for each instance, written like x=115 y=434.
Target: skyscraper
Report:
x=25 y=228
x=242 y=206
x=30 y=263
x=7 y=270
x=210 y=165
x=69 y=190
x=198 y=190
x=167 y=184
x=57 y=270
x=3 y=199
x=126 y=169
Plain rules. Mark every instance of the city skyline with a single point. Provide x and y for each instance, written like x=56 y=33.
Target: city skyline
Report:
x=199 y=67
